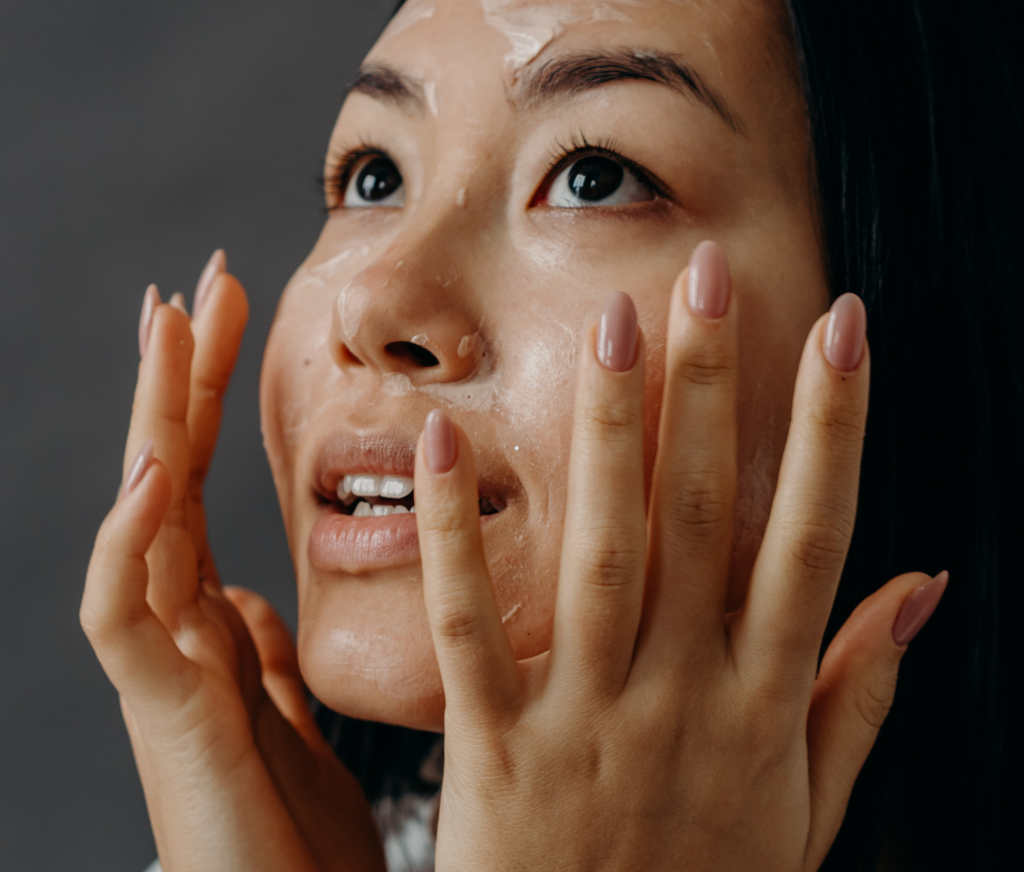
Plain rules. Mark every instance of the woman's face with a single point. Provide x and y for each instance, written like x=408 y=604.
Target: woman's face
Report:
x=499 y=169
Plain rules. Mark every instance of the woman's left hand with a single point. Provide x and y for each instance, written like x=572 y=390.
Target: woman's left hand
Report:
x=660 y=732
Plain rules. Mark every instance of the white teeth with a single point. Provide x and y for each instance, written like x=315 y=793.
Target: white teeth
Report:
x=399 y=510
x=363 y=510
x=344 y=488
x=412 y=511
x=395 y=487
x=379 y=511
x=363 y=485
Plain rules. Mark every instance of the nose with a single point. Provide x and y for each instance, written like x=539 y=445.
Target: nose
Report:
x=407 y=313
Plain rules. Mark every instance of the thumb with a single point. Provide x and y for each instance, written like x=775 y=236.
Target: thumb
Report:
x=854 y=691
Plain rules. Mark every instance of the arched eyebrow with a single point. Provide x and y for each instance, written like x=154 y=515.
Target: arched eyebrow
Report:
x=391 y=86
x=564 y=76
x=573 y=74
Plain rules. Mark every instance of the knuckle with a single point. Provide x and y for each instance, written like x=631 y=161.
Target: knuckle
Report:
x=841 y=422
x=611 y=421
x=445 y=523
x=609 y=559
x=872 y=703
x=455 y=622
x=818 y=546
x=708 y=365
x=699 y=505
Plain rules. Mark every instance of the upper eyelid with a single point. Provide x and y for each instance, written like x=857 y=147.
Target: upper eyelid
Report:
x=645 y=176
x=340 y=164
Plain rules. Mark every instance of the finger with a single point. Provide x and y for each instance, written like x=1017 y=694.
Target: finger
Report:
x=221 y=312
x=600 y=587
x=694 y=484
x=778 y=634
x=136 y=650
x=159 y=413
x=279 y=661
x=477 y=666
x=854 y=690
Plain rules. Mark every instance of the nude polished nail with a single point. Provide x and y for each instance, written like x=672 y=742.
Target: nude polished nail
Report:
x=844 y=334
x=440 y=448
x=616 y=333
x=138 y=467
x=707 y=291
x=149 y=303
x=917 y=608
x=217 y=264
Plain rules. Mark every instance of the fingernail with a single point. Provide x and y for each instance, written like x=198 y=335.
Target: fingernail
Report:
x=178 y=301
x=149 y=303
x=844 y=334
x=917 y=608
x=217 y=264
x=708 y=284
x=138 y=467
x=616 y=333
x=439 y=446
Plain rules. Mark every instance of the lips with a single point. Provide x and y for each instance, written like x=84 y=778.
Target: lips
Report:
x=363 y=488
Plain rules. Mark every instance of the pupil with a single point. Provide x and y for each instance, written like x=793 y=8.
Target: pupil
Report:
x=595 y=178
x=378 y=179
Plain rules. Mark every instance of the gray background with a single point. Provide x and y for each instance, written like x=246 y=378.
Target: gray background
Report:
x=135 y=137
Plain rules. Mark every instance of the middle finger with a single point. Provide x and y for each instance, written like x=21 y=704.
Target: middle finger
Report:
x=600 y=586
x=694 y=484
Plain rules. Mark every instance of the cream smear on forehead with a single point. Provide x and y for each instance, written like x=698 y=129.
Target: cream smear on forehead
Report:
x=530 y=27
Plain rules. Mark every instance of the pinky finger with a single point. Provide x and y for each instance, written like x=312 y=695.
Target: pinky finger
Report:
x=135 y=649
x=854 y=689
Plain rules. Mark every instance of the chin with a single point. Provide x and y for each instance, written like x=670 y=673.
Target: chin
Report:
x=365 y=649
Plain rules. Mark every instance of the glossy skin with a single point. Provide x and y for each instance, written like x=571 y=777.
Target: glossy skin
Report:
x=476 y=250
x=668 y=710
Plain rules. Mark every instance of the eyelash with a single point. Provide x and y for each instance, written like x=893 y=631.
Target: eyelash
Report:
x=340 y=166
x=564 y=155
x=339 y=171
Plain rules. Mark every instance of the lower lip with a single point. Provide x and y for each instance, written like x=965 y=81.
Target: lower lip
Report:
x=343 y=543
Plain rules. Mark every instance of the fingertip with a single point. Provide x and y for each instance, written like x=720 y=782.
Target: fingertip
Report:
x=615 y=341
x=440 y=443
x=845 y=332
x=918 y=607
x=709 y=283
x=216 y=265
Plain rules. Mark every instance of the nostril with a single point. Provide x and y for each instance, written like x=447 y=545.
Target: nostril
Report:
x=412 y=353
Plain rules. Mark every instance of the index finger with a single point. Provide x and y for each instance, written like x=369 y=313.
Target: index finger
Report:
x=797 y=570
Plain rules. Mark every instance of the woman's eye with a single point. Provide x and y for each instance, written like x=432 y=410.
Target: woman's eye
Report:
x=596 y=181
x=375 y=182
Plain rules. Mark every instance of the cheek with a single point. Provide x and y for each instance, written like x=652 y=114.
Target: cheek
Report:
x=770 y=346
x=299 y=378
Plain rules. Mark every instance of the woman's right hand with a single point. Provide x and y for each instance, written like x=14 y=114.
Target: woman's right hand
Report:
x=235 y=772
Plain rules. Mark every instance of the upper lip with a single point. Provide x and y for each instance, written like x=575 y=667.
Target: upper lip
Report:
x=384 y=452
x=392 y=451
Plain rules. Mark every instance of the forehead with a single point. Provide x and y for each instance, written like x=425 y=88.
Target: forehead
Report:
x=739 y=48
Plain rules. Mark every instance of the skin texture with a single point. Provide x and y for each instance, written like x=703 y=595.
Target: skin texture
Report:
x=468 y=255
x=625 y=658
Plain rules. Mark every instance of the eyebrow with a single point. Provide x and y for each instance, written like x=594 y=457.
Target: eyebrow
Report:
x=387 y=84
x=570 y=75
x=564 y=76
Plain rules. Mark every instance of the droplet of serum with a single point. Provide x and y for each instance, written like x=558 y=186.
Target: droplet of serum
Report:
x=467 y=344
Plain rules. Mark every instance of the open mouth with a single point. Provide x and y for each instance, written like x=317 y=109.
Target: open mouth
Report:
x=368 y=495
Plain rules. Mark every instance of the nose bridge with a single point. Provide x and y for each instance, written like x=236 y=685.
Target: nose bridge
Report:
x=410 y=311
